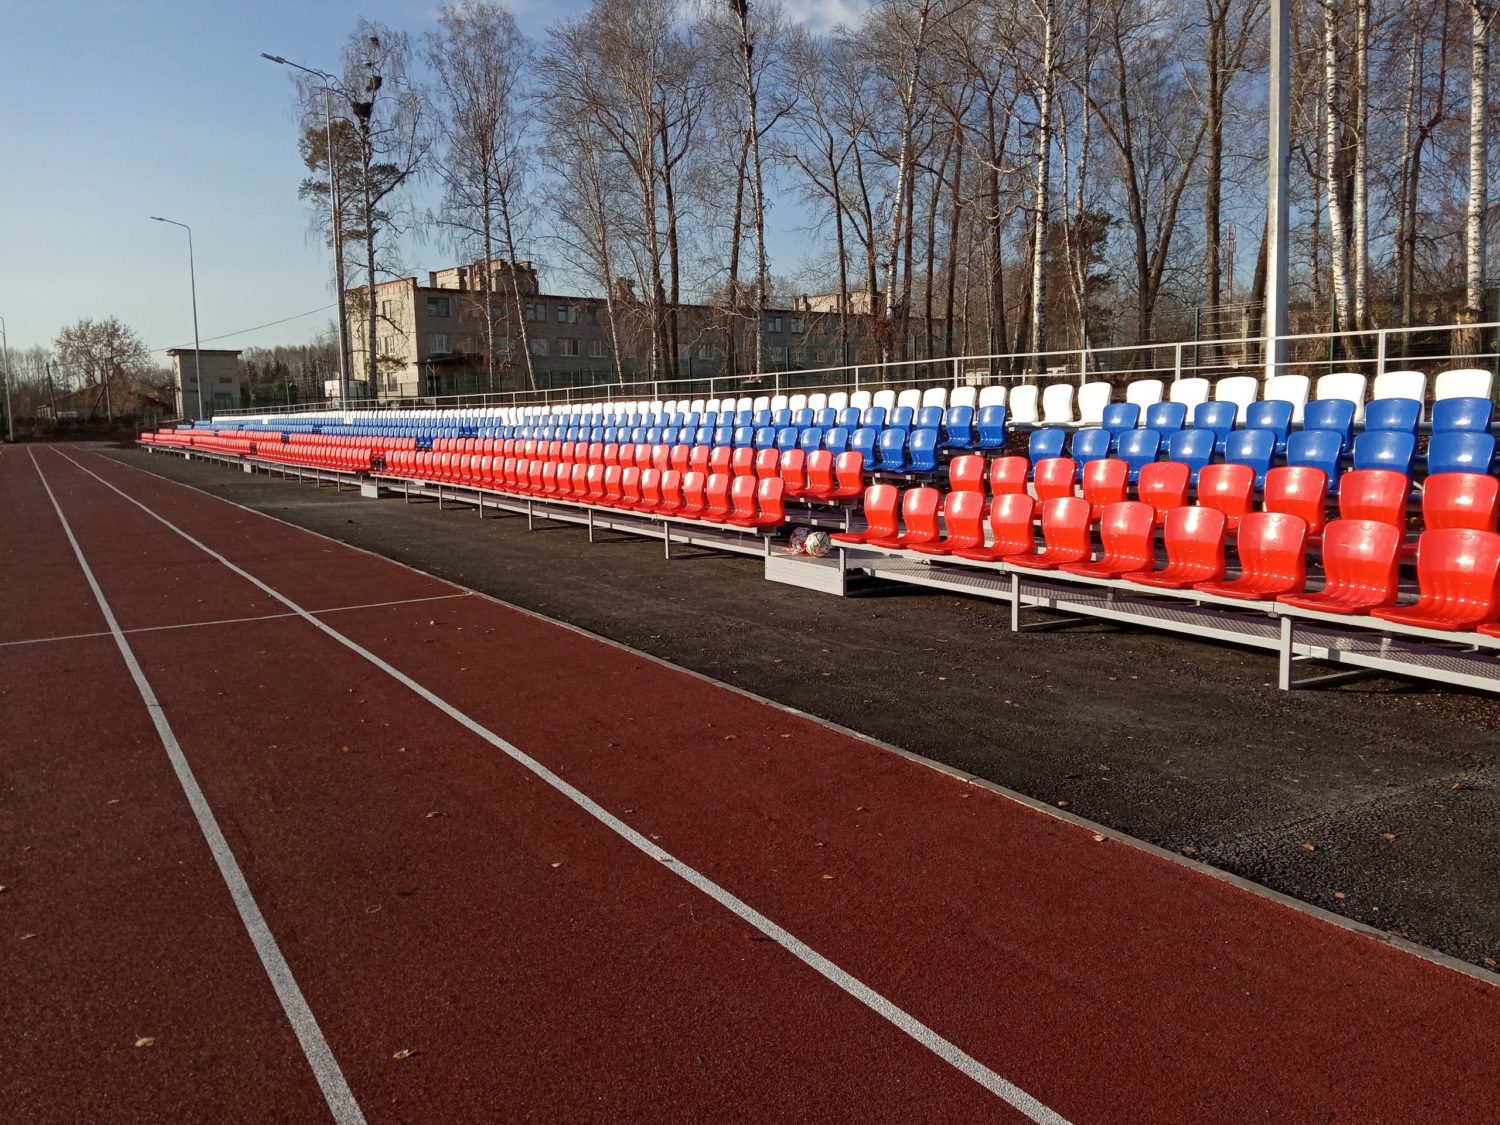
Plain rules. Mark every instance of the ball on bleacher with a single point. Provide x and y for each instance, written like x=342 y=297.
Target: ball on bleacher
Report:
x=818 y=544
x=796 y=543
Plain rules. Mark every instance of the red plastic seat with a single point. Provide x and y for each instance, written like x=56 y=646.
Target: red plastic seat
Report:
x=819 y=484
x=1460 y=500
x=1299 y=490
x=1065 y=535
x=1008 y=474
x=650 y=490
x=1194 y=539
x=596 y=484
x=881 y=520
x=716 y=497
x=1054 y=478
x=1105 y=481
x=661 y=458
x=966 y=473
x=742 y=500
x=919 y=515
x=694 y=494
x=671 y=493
x=963 y=522
x=719 y=459
x=742 y=462
x=680 y=457
x=1361 y=562
x=698 y=458
x=1011 y=529
x=630 y=488
x=849 y=476
x=612 y=454
x=1228 y=487
x=793 y=472
x=1272 y=547
x=1374 y=494
x=766 y=503
x=613 y=493
x=767 y=463
x=1458 y=575
x=1127 y=531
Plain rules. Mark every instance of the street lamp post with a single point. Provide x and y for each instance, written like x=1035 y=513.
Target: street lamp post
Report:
x=336 y=209
x=193 y=283
x=10 y=416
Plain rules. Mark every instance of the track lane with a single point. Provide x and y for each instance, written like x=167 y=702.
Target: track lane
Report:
x=115 y=926
x=530 y=958
x=1186 y=985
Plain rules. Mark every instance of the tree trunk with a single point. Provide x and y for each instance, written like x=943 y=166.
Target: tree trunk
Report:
x=1481 y=13
x=1338 y=224
x=1362 y=165
x=1039 y=195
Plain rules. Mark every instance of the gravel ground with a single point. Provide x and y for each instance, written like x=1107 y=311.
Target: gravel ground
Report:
x=1183 y=743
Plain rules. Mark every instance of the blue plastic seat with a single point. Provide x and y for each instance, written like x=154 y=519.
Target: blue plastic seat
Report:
x=1091 y=444
x=1138 y=448
x=811 y=438
x=765 y=437
x=1119 y=419
x=1045 y=442
x=1399 y=415
x=744 y=418
x=781 y=418
x=1451 y=415
x=958 y=426
x=1193 y=448
x=836 y=439
x=786 y=438
x=1460 y=451
x=703 y=435
x=828 y=418
x=1254 y=448
x=760 y=419
x=903 y=416
x=989 y=428
x=1217 y=418
x=929 y=418
x=862 y=441
x=1385 y=449
x=874 y=416
x=921 y=450
x=802 y=418
x=849 y=418
x=1319 y=449
x=1166 y=418
x=891 y=451
x=724 y=435
x=1272 y=414
x=1336 y=414
x=743 y=436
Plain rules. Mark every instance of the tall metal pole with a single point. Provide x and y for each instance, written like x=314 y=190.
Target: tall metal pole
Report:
x=193 y=283
x=10 y=415
x=1279 y=158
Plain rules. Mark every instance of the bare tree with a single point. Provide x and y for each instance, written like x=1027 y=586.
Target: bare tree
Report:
x=1481 y=16
x=102 y=354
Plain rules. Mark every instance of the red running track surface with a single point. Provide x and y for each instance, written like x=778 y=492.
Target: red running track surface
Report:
x=432 y=894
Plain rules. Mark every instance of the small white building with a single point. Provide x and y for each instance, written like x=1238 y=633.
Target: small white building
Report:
x=223 y=384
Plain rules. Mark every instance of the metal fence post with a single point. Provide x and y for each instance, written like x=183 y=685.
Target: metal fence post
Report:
x=1380 y=351
x=1177 y=363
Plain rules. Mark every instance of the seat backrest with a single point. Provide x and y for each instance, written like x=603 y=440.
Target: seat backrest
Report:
x=1127 y=533
x=1011 y=515
x=1118 y=417
x=836 y=439
x=839 y=400
x=958 y=423
x=1385 y=449
x=1138 y=448
x=1190 y=392
x=1065 y=525
x=742 y=497
x=819 y=466
x=1319 y=448
x=1400 y=384
x=873 y=416
x=1459 y=565
x=1057 y=404
x=716 y=499
x=848 y=418
x=1464 y=382
x=992 y=395
x=770 y=500
x=1090 y=445
x=742 y=462
x=935 y=396
x=1226 y=487
x=1364 y=556
x=909 y=396
x=1194 y=448
x=1144 y=392
x=1273 y=544
x=885 y=399
x=1216 y=416
x=919 y=512
x=921 y=451
x=1461 y=500
x=1046 y=442
x=1253 y=448
x=1194 y=536
x=928 y=418
x=1022 y=404
x=964 y=396
x=767 y=462
x=1462 y=451
x=1105 y=481
x=1166 y=417
x=1054 y=477
x=1238 y=389
x=793 y=467
x=1349 y=385
x=862 y=441
x=1336 y=414
x=1270 y=414
x=881 y=505
x=966 y=473
x=858 y=400
x=1288 y=388
x=963 y=517
x=1393 y=414
x=816 y=402
x=1092 y=399
x=1301 y=490
x=811 y=438
x=1451 y=414
x=1008 y=474
x=1374 y=494
x=849 y=467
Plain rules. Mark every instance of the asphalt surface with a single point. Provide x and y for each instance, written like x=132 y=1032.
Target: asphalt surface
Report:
x=1377 y=800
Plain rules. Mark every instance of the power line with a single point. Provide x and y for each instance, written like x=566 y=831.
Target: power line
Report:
x=257 y=328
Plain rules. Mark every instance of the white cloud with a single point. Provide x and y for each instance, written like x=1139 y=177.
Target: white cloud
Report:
x=821 y=15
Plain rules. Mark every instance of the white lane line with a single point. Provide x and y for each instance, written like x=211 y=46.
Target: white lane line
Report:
x=949 y=1052
x=315 y=1048
x=231 y=620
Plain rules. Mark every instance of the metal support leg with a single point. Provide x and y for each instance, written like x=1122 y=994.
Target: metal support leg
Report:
x=530 y=524
x=1015 y=602
x=1285 y=675
x=440 y=496
x=666 y=539
x=590 y=514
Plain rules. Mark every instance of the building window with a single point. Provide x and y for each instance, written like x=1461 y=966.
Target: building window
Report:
x=798 y=325
x=388 y=344
x=591 y=315
x=596 y=349
x=536 y=310
x=439 y=306
x=385 y=309
x=567 y=314
x=441 y=344
x=392 y=382
x=567 y=347
x=226 y=379
x=538 y=346
x=773 y=324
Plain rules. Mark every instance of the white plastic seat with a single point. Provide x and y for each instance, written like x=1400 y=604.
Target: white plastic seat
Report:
x=1289 y=388
x=839 y=400
x=912 y=397
x=1144 y=392
x=1092 y=399
x=935 y=396
x=780 y=402
x=965 y=396
x=992 y=395
x=1464 y=382
x=796 y=403
x=762 y=402
x=696 y=406
x=745 y=402
x=1190 y=392
x=1349 y=385
x=1057 y=404
x=885 y=399
x=1401 y=384
x=1023 y=400
x=817 y=402
x=1238 y=389
x=859 y=400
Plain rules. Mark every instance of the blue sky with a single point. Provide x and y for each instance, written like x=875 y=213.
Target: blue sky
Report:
x=117 y=111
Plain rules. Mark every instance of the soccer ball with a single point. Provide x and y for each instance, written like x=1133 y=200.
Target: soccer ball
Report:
x=797 y=542
x=818 y=544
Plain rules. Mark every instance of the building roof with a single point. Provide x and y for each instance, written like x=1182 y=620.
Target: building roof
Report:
x=203 y=351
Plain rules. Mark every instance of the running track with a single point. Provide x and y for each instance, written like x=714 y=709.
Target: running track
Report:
x=454 y=862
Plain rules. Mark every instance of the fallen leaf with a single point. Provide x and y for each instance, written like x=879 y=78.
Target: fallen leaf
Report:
x=1309 y=847
x=557 y=865
x=1398 y=933
x=146 y=1041
x=1062 y=804
x=1387 y=835
x=828 y=876
x=1339 y=894
x=1490 y=961
x=433 y=813
x=405 y=1053
x=1189 y=850
x=1098 y=839
x=373 y=909
x=27 y=937
x=1456 y=785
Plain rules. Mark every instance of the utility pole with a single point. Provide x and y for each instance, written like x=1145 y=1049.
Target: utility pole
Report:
x=10 y=415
